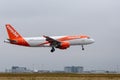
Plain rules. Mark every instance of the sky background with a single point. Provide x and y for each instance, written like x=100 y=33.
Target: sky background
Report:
x=99 y=19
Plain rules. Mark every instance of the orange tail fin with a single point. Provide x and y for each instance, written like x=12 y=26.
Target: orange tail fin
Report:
x=12 y=33
x=15 y=37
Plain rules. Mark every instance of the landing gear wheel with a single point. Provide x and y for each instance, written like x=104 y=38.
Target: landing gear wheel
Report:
x=53 y=49
x=83 y=47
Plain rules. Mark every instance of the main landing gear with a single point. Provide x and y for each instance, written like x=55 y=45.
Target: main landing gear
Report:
x=53 y=49
x=83 y=47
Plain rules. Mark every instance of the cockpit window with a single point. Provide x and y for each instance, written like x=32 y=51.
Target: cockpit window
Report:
x=88 y=37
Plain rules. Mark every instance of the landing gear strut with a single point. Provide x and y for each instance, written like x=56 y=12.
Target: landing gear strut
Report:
x=53 y=49
x=83 y=47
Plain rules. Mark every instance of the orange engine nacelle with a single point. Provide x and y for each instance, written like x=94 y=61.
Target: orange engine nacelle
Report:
x=64 y=45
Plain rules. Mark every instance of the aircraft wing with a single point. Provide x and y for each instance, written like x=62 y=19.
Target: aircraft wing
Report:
x=53 y=42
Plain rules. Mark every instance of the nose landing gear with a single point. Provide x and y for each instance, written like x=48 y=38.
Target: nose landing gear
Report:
x=83 y=47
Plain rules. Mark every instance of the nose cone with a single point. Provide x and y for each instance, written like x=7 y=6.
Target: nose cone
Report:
x=91 y=41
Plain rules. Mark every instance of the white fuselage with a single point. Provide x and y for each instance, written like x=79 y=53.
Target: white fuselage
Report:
x=39 y=41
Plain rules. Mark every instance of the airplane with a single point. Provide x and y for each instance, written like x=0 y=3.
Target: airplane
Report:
x=60 y=42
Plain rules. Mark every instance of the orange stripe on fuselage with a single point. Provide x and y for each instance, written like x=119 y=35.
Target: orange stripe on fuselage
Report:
x=67 y=38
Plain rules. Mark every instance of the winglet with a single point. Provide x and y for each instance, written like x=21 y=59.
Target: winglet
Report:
x=44 y=36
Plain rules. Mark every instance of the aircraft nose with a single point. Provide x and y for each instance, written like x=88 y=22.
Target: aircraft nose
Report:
x=92 y=41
